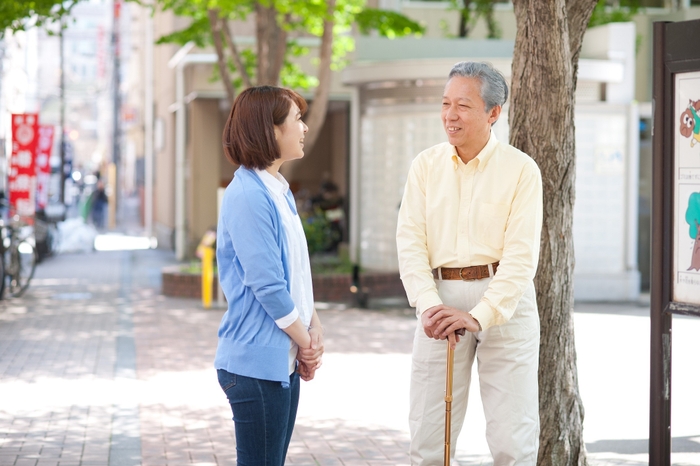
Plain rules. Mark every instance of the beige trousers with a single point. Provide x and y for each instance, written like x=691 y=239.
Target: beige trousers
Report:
x=507 y=360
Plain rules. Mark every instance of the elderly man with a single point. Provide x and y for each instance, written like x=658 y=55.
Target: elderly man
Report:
x=468 y=242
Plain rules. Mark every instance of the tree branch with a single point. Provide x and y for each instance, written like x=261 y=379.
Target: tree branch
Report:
x=221 y=58
x=319 y=106
x=280 y=50
x=578 y=15
x=234 y=52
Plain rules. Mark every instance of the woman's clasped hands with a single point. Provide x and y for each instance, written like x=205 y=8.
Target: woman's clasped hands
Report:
x=310 y=359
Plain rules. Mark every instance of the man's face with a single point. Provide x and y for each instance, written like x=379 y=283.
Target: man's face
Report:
x=464 y=115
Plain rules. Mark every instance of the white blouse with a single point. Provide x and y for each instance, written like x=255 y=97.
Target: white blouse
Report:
x=297 y=257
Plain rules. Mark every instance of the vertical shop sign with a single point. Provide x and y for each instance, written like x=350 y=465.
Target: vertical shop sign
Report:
x=22 y=171
x=43 y=169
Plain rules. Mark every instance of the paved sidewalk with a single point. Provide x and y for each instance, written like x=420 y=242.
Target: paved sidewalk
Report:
x=98 y=369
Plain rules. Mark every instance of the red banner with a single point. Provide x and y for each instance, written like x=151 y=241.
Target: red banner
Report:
x=22 y=176
x=43 y=169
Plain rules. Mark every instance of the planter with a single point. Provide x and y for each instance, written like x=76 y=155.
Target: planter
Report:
x=181 y=284
x=327 y=287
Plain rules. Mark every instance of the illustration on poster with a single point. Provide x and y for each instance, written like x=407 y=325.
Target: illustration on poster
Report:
x=690 y=122
x=692 y=216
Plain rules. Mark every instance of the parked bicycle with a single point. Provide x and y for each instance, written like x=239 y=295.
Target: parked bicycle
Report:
x=46 y=235
x=17 y=249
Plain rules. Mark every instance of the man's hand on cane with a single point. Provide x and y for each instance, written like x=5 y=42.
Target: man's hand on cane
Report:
x=442 y=321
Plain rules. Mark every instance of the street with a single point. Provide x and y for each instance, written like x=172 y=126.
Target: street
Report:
x=98 y=369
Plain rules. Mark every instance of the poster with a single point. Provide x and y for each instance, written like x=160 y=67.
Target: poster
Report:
x=22 y=172
x=43 y=169
x=686 y=222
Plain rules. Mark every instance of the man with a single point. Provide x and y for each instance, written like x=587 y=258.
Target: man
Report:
x=468 y=242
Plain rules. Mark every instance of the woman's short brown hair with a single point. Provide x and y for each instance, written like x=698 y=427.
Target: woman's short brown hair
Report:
x=249 y=134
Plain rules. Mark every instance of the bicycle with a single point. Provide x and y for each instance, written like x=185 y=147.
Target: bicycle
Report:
x=46 y=236
x=18 y=256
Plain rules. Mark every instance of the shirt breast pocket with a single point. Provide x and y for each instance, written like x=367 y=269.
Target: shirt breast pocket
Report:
x=491 y=224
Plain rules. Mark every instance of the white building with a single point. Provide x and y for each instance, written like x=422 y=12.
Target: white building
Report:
x=397 y=92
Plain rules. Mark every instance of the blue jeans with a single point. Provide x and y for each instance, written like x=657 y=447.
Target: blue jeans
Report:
x=263 y=413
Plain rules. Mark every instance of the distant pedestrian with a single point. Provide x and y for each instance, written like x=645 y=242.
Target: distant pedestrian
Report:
x=271 y=335
x=98 y=205
x=468 y=239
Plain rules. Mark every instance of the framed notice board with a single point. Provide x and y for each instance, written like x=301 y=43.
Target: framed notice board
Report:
x=675 y=268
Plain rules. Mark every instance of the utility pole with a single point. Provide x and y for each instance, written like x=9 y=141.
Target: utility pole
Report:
x=3 y=175
x=116 y=136
x=62 y=86
x=148 y=119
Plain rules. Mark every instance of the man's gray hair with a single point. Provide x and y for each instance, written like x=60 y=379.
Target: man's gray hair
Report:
x=494 y=90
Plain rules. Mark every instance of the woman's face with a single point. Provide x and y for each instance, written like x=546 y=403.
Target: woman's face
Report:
x=290 y=135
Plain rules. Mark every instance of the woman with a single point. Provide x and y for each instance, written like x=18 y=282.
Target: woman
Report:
x=271 y=335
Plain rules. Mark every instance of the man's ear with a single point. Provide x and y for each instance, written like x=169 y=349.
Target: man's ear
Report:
x=494 y=113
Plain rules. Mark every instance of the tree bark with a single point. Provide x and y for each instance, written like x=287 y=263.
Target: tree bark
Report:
x=279 y=48
x=465 y=18
x=215 y=24
x=271 y=45
x=319 y=105
x=545 y=61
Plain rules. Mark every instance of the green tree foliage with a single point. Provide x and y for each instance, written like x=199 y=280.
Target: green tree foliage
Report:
x=299 y=19
x=606 y=12
x=281 y=27
x=18 y=15
x=388 y=23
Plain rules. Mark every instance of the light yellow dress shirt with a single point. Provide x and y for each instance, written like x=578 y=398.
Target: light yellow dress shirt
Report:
x=458 y=215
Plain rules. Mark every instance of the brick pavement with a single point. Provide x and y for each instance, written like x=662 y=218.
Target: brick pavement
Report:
x=98 y=369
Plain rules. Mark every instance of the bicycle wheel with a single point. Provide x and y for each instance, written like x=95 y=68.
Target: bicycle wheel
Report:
x=2 y=271
x=20 y=262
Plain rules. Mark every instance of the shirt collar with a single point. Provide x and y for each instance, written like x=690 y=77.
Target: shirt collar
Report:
x=482 y=157
x=276 y=184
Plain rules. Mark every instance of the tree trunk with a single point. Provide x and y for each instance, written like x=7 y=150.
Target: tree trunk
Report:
x=270 y=39
x=279 y=51
x=465 y=18
x=215 y=24
x=319 y=105
x=545 y=63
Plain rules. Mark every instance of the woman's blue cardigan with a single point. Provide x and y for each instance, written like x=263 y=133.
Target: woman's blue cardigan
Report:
x=251 y=254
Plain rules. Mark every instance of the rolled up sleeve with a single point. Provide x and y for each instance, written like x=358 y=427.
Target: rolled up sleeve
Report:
x=411 y=243
x=521 y=246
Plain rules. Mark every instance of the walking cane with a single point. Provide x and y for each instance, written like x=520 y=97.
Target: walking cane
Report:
x=448 y=401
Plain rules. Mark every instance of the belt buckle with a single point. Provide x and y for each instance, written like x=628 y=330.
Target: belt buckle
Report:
x=460 y=274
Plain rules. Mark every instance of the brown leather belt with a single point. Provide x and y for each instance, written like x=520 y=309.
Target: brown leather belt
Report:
x=475 y=272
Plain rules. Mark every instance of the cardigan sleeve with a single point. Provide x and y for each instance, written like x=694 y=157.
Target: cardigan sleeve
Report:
x=252 y=224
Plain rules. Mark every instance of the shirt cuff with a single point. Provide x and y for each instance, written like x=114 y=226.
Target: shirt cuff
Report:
x=289 y=319
x=484 y=314
x=427 y=300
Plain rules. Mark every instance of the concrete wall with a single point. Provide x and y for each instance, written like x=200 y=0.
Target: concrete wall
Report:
x=164 y=144
x=204 y=161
